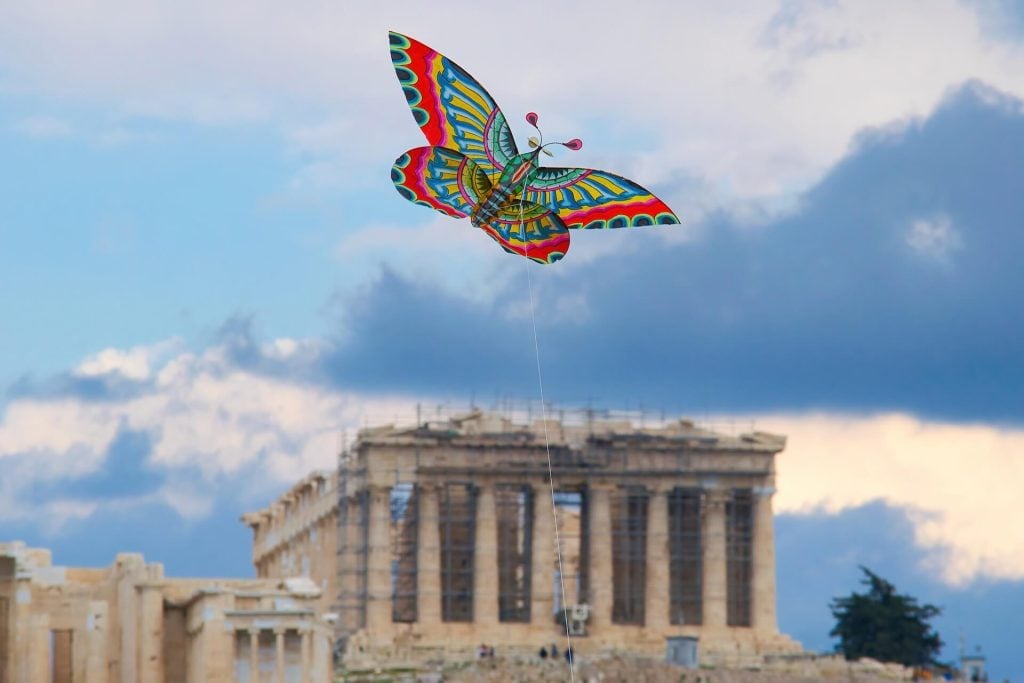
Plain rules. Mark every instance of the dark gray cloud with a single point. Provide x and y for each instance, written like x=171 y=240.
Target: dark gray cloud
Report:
x=895 y=285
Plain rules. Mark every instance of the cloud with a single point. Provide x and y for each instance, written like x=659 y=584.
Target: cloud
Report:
x=882 y=537
x=192 y=424
x=1003 y=19
x=837 y=304
x=132 y=364
x=935 y=237
x=44 y=127
x=956 y=482
x=247 y=418
x=425 y=252
x=757 y=100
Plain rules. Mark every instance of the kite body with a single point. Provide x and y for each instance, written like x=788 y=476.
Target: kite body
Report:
x=473 y=167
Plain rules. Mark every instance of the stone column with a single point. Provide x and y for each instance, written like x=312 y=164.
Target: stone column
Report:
x=279 y=657
x=764 y=618
x=485 y=559
x=542 y=596
x=254 y=654
x=151 y=633
x=20 y=640
x=128 y=566
x=428 y=560
x=38 y=658
x=656 y=607
x=714 y=594
x=96 y=642
x=306 y=653
x=217 y=649
x=321 y=667
x=378 y=580
x=601 y=579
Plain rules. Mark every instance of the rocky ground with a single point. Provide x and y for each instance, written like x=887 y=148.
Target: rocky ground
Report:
x=615 y=669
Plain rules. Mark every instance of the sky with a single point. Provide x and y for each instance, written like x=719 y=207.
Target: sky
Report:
x=207 y=280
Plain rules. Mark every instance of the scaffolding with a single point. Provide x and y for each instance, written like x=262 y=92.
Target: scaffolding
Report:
x=629 y=554
x=404 y=532
x=739 y=556
x=457 y=520
x=526 y=412
x=353 y=541
x=686 y=555
x=429 y=503
x=571 y=516
x=514 y=511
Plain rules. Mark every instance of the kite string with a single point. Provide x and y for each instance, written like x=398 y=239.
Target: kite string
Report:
x=571 y=656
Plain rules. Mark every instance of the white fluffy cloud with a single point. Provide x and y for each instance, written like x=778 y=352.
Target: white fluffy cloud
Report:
x=961 y=483
x=134 y=363
x=754 y=98
x=208 y=418
x=202 y=414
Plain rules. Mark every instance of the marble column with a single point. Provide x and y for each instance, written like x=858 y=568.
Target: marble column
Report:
x=128 y=566
x=254 y=655
x=306 y=653
x=601 y=580
x=714 y=594
x=151 y=633
x=542 y=571
x=378 y=580
x=657 y=603
x=96 y=670
x=279 y=656
x=485 y=559
x=38 y=656
x=764 y=618
x=428 y=559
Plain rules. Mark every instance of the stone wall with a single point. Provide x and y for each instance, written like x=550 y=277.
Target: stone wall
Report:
x=128 y=623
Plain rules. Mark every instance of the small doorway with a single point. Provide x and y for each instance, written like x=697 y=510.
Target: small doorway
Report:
x=681 y=651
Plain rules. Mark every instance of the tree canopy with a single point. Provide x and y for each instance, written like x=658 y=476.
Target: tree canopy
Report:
x=884 y=625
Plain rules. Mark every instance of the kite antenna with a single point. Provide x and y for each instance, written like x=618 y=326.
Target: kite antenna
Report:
x=531 y=118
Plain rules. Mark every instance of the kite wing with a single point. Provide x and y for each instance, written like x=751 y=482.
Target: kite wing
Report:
x=587 y=199
x=440 y=178
x=530 y=230
x=450 y=107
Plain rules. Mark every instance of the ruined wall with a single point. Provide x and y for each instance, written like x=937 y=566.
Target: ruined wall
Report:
x=127 y=623
x=297 y=535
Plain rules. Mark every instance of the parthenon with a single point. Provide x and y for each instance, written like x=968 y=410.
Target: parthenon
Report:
x=449 y=534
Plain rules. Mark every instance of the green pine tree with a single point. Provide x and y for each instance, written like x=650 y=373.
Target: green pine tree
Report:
x=885 y=625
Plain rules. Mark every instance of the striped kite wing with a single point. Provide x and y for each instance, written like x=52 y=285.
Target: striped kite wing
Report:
x=451 y=108
x=441 y=179
x=586 y=199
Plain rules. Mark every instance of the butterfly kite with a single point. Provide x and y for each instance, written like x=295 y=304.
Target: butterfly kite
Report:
x=473 y=167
